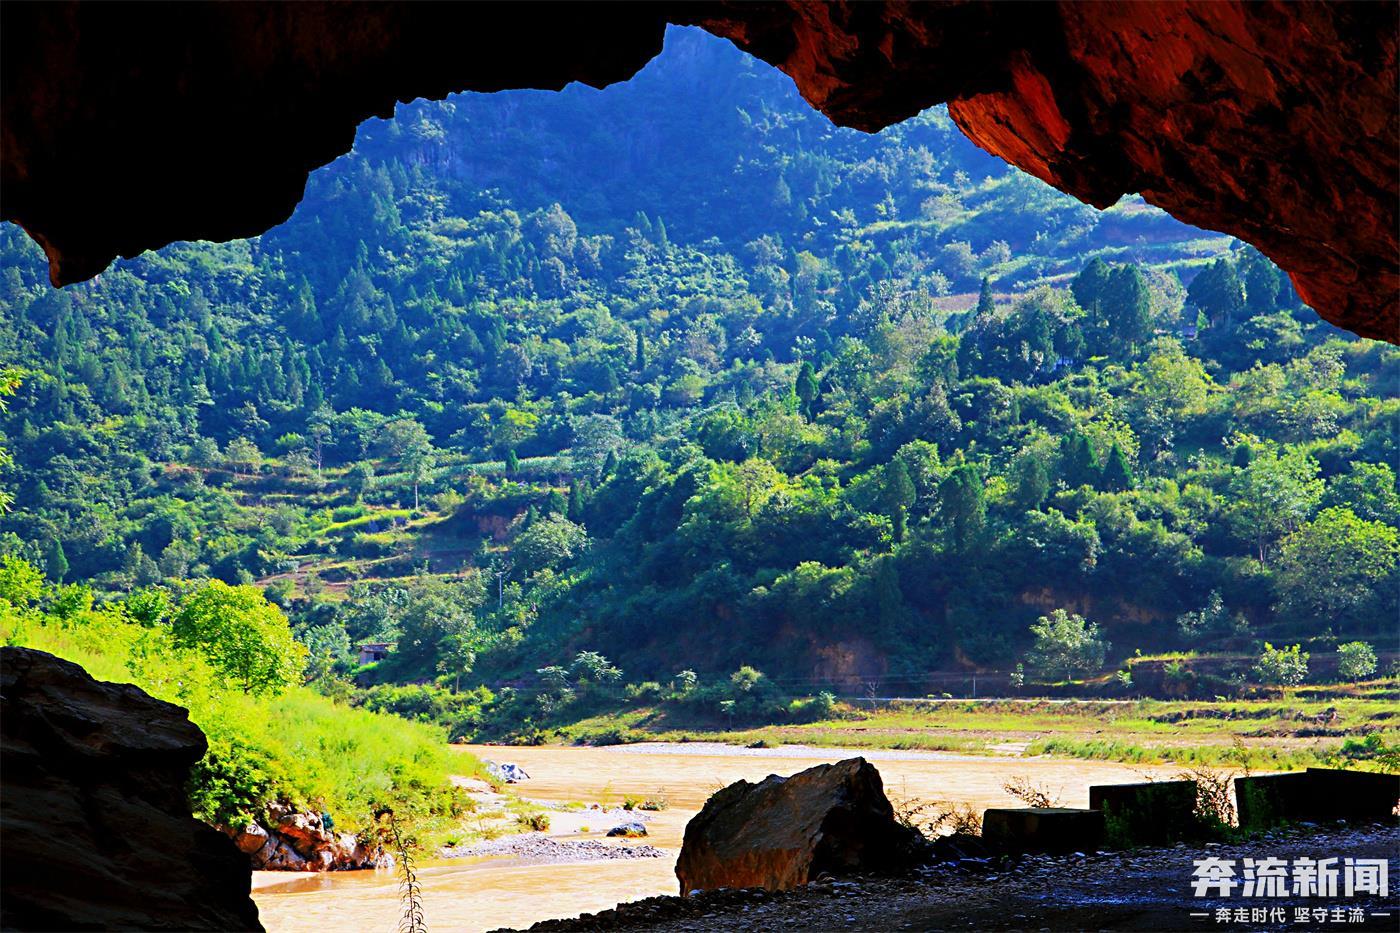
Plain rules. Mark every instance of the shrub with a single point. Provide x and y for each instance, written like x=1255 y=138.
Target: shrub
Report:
x=242 y=635
x=1215 y=808
x=1356 y=660
x=657 y=803
x=535 y=822
x=1066 y=645
x=1032 y=795
x=1281 y=667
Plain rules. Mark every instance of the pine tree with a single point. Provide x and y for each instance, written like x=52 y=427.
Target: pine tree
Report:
x=807 y=390
x=610 y=463
x=1033 y=481
x=890 y=610
x=1089 y=285
x=1262 y=283
x=1127 y=306
x=608 y=381
x=55 y=561
x=512 y=463
x=1079 y=466
x=898 y=524
x=639 y=356
x=900 y=495
x=986 y=304
x=1217 y=291
x=964 y=504
x=1117 y=474
x=575 y=513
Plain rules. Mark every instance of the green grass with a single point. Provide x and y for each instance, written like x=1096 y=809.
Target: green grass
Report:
x=300 y=746
x=1216 y=756
x=353 y=524
x=1257 y=734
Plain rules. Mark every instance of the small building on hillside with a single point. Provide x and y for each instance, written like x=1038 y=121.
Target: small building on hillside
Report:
x=372 y=651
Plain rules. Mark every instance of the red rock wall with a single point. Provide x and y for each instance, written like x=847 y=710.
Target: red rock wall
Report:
x=125 y=127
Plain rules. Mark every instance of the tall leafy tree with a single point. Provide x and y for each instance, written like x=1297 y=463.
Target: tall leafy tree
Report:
x=1340 y=570
x=243 y=636
x=1273 y=496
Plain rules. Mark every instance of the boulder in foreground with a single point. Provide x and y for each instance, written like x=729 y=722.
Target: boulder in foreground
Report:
x=96 y=825
x=786 y=831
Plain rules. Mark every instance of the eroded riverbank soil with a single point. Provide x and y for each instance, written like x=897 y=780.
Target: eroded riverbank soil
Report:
x=1148 y=889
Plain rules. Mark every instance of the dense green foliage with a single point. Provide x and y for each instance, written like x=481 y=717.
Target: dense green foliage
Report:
x=681 y=374
x=289 y=744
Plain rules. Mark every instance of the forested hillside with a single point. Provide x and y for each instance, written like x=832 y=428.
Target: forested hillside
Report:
x=678 y=376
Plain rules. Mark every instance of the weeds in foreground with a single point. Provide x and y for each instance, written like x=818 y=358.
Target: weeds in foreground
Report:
x=410 y=892
x=1215 y=805
x=1032 y=795
x=659 y=802
x=932 y=818
x=656 y=803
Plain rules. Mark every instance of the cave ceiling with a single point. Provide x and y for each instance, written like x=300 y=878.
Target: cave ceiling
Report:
x=125 y=127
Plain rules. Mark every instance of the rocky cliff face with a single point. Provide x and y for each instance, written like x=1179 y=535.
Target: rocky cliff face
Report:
x=96 y=826
x=1276 y=122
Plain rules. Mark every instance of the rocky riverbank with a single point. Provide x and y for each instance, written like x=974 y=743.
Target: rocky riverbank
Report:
x=1143 y=889
x=540 y=849
x=290 y=840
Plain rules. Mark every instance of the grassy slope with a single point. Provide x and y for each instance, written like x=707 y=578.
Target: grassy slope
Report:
x=299 y=746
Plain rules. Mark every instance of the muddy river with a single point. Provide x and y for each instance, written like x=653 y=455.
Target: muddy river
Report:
x=486 y=893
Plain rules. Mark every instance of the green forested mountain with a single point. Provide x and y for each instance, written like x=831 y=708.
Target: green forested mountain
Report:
x=677 y=375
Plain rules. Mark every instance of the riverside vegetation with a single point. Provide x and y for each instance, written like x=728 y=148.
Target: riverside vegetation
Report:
x=678 y=379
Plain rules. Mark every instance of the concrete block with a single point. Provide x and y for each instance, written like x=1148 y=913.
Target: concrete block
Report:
x=1048 y=829
x=1151 y=813
x=1354 y=796
x=1264 y=800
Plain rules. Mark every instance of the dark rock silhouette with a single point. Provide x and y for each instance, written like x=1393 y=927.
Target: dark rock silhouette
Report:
x=96 y=826
x=1043 y=829
x=785 y=831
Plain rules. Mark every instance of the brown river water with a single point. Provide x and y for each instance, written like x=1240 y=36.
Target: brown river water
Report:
x=486 y=893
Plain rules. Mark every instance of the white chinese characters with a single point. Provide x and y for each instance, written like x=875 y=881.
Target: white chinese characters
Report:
x=1303 y=877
